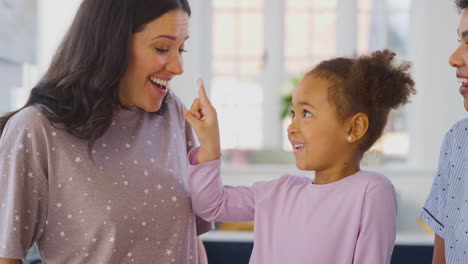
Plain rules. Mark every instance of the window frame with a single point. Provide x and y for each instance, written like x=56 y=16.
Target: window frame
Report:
x=274 y=75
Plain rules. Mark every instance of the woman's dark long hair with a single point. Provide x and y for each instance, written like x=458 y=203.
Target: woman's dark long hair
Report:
x=80 y=88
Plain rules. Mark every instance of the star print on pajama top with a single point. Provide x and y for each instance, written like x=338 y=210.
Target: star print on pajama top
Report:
x=132 y=205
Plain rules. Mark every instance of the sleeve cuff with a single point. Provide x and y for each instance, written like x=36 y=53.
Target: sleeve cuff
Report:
x=432 y=222
x=192 y=158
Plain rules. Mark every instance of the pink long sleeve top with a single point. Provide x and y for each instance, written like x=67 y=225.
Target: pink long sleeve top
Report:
x=349 y=221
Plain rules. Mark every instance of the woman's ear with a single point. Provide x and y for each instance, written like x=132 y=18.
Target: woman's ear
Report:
x=357 y=127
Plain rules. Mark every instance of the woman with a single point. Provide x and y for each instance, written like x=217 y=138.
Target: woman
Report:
x=93 y=168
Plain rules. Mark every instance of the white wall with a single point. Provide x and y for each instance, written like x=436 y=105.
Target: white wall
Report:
x=18 y=30
x=54 y=18
x=17 y=46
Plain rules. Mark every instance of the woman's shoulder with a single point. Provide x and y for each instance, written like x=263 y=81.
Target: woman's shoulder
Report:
x=31 y=116
x=25 y=133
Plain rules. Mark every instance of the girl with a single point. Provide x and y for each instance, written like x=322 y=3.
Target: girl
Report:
x=345 y=215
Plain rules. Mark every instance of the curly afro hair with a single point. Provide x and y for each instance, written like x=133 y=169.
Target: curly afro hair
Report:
x=369 y=84
x=461 y=4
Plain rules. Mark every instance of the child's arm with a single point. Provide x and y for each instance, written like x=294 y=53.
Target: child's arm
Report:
x=210 y=199
x=203 y=118
x=214 y=202
x=377 y=235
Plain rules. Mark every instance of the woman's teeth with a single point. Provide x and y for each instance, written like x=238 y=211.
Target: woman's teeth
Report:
x=159 y=81
x=462 y=80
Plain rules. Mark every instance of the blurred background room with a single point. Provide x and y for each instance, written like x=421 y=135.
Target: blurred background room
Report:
x=250 y=54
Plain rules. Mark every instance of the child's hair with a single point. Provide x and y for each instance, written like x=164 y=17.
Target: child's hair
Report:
x=461 y=4
x=369 y=84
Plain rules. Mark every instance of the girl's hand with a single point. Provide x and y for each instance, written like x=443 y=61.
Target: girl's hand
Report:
x=204 y=120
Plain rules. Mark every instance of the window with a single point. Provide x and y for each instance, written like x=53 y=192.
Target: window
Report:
x=385 y=24
x=259 y=47
x=237 y=69
x=310 y=34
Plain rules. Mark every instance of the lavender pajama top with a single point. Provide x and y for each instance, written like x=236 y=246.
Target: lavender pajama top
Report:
x=351 y=221
x=132 y=205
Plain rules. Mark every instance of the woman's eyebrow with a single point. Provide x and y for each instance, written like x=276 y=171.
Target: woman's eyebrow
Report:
x=168 y=37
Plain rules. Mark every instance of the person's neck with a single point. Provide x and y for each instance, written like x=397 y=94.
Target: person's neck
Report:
x=336 y=173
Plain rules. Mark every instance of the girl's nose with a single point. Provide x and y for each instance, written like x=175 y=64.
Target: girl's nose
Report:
x=291 y=129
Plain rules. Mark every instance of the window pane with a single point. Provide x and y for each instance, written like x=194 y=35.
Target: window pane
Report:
x=310 y=4
x=310 y=35
x=296 y=35
x=364 y=4
x=250 y=68
x=363 y=23
x=399 y=4
x=223 y=66
x=238 y=44
x=251 y=3
x=299 y=4
x=238 y=103
x=224 y=3
x=398 y=31
x=251 y=34
x=224 y=33
x=298 y=66
x=324 y=36
x=392 y=33
x=325 y=4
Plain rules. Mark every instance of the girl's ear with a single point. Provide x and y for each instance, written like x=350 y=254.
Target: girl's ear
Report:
x=357 y=127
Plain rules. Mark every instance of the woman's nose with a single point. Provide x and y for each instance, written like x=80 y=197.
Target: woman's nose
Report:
x=175 y=65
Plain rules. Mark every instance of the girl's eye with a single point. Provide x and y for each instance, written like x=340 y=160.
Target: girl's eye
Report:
x=306 y=113
x=182 y=50
x=292 y=113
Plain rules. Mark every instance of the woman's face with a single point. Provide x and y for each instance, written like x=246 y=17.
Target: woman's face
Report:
x=155 y=58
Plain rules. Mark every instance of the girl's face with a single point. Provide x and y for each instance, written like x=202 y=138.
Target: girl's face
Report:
x=459 y=58
x=155 y=58
x=317 y=136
